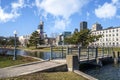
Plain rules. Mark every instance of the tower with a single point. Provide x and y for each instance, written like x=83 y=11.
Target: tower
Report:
x=83 y=25
x=40 y=29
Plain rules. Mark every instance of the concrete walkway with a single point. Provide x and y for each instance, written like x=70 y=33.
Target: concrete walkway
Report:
x=28 y=68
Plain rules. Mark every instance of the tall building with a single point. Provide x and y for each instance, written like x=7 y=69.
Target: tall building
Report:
x=41 y=29
x=83 y=25
x=76 y=30
x=110 y=37
x=96 y=27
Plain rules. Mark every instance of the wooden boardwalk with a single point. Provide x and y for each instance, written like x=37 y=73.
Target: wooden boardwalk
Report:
x=28 y=68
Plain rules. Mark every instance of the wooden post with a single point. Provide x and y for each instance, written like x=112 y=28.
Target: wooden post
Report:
x=103 y=52
x=96 y=53
x=115 y=56
x=67 y=51
x=88 y=53
x=79 y=50
x=62 y=51
x=50 y=52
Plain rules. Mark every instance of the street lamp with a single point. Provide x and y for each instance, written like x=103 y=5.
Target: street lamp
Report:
x=15 y=35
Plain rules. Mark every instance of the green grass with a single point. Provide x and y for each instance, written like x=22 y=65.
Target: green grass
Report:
x=49 y=76
x=7 y=60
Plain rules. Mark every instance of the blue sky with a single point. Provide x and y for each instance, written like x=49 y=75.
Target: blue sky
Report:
x=58 y=15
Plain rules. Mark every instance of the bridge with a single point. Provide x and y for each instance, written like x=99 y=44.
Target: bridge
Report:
x=84 y=55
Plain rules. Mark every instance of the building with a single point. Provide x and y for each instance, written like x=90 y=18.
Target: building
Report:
x=41 y=29
x=24 y=40
x=76 y=30
x=60 y=38
x=96 y=27
x=83 y=25
x=110 y=37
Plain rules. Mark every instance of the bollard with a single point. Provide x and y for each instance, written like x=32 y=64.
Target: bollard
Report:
x=96 y=53
x=50 y=52
x=67 y=50
x=103 y=52
x=118 y=54
x=62 y=52
x=88 y=53
x=79 y=53
x=115 y=55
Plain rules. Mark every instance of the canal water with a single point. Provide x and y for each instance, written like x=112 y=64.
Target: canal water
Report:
x=38 y=54
x=107 y=72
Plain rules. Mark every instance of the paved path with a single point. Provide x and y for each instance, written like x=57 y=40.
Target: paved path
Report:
x=29 y=68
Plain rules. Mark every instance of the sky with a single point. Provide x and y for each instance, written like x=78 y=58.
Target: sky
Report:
x=58 y=16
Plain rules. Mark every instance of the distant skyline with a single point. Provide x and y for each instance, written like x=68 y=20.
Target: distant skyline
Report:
x=24 y=16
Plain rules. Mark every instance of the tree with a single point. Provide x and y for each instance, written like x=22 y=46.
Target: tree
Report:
x=35 y=39
x=83 y=37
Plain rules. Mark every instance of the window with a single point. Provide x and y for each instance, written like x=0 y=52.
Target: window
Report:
x=116 y=30
x=113 y=30
x=109 y=30
x=106 y=35
x=109 y=34
x=117 y=34
x=116 y=39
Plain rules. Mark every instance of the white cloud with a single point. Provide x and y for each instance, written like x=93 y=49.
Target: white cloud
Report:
x=115 y=1
x=15 y=6
x=108 y=10
x=62 y=9
x=4 y=17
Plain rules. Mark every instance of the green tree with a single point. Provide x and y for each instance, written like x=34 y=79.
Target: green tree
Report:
x=35 y=39
x=83 y=37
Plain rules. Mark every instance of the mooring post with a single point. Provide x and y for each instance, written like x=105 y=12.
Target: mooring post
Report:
x=79 y=50
x=88 y=53
x=103 y=52
x=67 y=51
x=108 y=52
x=115 y=56
x=50 y=52
x=96 y=53
x=62 y=51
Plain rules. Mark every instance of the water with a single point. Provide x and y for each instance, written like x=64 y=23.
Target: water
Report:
x=107 y=72
x=38 y=54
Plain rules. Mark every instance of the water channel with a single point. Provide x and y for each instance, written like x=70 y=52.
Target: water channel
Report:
x=107 y=72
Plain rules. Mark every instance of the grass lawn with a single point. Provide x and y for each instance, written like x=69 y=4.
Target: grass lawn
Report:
x=7 y=60
x=49 y=76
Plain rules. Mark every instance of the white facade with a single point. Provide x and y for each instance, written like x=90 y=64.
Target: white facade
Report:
x=110 y=37
x=24 y=40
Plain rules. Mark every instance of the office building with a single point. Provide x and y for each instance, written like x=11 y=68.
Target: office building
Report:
x=83 y=25
x=96 y=27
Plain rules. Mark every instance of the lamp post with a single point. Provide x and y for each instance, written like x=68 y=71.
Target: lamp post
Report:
x=15 y=35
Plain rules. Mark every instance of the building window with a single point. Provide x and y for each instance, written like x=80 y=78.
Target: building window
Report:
x=113 y=30
x=116 y=30
x=117 y=44
x=113 y=35
x=106 y=35
x=109 y=34
x=106 y=31
x=106 y=39
x=117 y=34
x=109 y=30
x=116 y=39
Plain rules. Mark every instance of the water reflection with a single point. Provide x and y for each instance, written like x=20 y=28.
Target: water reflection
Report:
x=42 y=55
